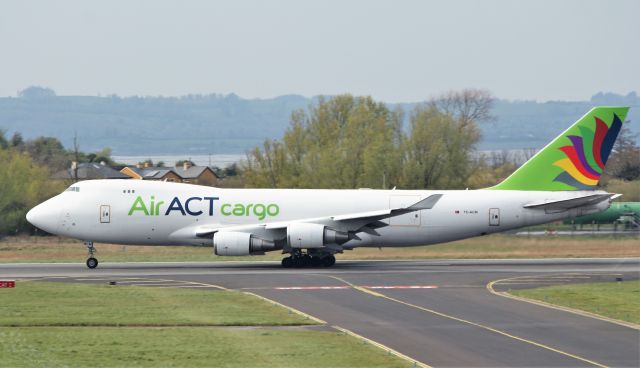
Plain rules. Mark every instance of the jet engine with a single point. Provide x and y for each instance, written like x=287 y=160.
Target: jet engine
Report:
x=306 y=235
x=239 y=244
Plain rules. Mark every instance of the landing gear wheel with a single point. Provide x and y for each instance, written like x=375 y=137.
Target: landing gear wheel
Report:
x=296 y=262
x=305 y=261
x=92 y=263
x=299 y=260
x=316 y=261
x=329 y=261
x=287 y=262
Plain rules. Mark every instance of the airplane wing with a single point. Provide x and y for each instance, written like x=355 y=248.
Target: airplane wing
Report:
x=356 y=221
x=352 y=222
x=567 y=204
x=425 y=204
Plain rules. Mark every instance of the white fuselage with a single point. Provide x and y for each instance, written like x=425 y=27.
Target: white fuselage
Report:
x=163 y=213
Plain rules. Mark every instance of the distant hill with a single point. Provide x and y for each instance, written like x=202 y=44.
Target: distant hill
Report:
x=203 y=124
x=529 y=124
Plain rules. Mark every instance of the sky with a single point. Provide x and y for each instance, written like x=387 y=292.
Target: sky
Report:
x=395 y=51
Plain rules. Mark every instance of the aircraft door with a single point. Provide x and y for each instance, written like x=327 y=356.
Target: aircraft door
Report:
x=105 y=214
x=494 y=217
x=409 y=219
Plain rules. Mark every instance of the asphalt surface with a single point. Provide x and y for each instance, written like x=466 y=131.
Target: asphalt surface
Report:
x=440 y=313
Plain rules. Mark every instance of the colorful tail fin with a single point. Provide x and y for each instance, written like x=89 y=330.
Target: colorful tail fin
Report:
x=575 y=159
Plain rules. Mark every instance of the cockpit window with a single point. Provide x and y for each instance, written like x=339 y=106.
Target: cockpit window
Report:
x=72 y=189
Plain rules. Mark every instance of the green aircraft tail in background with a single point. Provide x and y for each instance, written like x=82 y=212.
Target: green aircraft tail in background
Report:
x=575 y=160
x=619 y=211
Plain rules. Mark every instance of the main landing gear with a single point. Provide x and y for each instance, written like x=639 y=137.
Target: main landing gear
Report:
x=299 y=260
x=92 y=262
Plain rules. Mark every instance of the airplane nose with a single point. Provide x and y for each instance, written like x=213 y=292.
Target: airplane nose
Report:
x=34 y=215
x=41 y=217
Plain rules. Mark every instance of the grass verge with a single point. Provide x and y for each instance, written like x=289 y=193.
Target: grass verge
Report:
x=51 y=249
x=186 y=347
x=77 y=325
x=619 y=300
x=62 y=304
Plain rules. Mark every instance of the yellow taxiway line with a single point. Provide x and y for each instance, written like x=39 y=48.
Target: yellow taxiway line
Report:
x=319 y=321
x=499 y=332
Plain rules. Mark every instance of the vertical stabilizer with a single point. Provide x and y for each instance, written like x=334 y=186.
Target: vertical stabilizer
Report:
x=575 y=160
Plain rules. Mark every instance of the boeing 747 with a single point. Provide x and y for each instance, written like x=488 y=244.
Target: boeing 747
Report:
x=312 y=225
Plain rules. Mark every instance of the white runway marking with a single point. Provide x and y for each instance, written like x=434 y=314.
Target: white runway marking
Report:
x=403 y=287
x=349 y=287
x=312 y=288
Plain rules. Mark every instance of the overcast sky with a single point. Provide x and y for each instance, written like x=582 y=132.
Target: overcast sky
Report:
x=393 y=50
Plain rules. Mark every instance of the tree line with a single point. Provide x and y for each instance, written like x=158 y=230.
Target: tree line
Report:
x=356 y=142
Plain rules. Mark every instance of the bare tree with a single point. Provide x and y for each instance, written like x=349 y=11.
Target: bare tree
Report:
x=624 y=162
x=500 y=158
x=467 y=105
x=527 y=154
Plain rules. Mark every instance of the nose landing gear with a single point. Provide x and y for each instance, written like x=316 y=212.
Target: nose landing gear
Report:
x=92 y=262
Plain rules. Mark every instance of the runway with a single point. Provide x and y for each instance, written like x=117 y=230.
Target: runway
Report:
x=439 y=313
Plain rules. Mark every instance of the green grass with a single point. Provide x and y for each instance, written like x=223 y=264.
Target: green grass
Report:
x=619 y=300
x=77 y=325
x=60 y=304
x=186 y=347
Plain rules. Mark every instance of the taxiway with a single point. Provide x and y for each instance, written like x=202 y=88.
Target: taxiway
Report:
x=437 y=312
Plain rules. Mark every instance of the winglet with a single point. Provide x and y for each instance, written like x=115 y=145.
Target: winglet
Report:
x=427 y=203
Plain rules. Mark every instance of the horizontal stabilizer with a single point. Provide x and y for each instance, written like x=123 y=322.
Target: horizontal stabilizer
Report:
x=566 y=204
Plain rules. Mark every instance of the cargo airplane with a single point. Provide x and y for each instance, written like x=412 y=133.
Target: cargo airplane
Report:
x=311 y=226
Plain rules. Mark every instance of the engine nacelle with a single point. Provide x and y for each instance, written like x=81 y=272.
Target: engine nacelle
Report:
x=306 y=235
x=229 y=243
